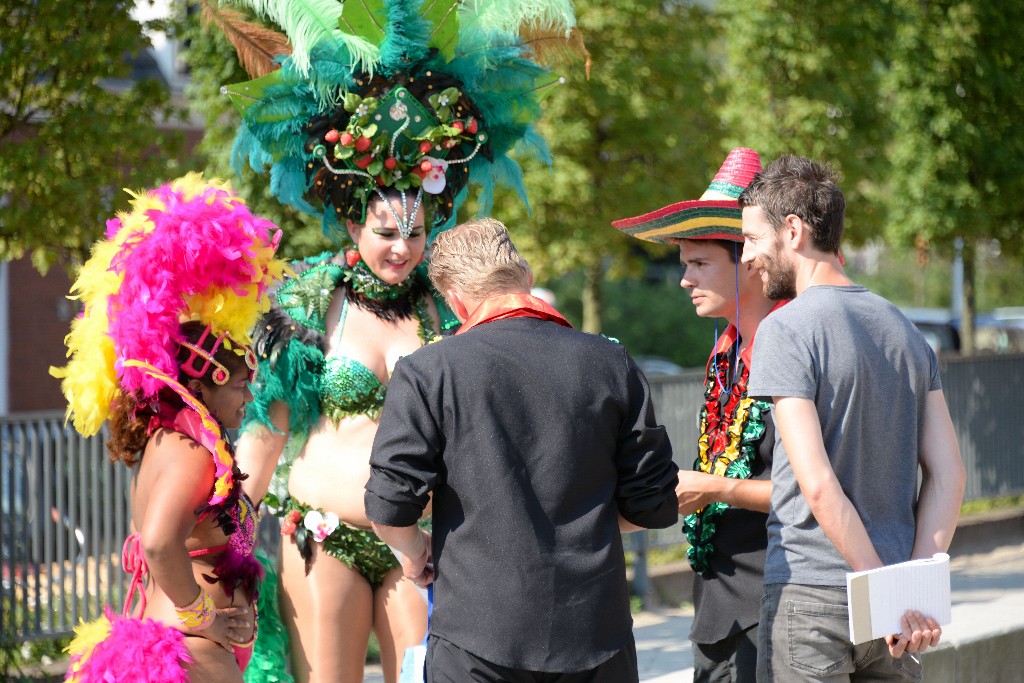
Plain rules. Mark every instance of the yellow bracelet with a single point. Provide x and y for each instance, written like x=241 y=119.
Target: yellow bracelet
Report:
x=200 y=614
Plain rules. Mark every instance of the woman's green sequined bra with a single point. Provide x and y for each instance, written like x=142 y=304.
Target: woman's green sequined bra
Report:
x=291 y=342
x=349 y=387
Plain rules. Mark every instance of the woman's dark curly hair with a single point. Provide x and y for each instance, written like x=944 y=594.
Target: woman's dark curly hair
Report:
x=130 y=419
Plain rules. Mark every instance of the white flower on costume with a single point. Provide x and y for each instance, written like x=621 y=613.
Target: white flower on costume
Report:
x=320 y=525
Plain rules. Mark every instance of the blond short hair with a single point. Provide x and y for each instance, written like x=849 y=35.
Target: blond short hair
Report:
x=479 y=260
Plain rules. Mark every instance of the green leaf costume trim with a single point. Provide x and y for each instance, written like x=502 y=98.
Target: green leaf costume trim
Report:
x=359 y=549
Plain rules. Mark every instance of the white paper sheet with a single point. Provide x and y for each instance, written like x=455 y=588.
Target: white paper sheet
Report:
x=878 y=598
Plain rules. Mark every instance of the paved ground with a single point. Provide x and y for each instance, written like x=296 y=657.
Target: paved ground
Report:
x=988 y=592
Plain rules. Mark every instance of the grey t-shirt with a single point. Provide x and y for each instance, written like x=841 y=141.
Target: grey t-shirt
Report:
x=868 y=371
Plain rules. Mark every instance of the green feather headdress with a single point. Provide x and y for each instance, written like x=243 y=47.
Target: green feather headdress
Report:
x=422 y=97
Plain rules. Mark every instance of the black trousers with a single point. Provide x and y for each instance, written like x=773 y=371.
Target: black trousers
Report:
x=731 y=660
x=447 y=663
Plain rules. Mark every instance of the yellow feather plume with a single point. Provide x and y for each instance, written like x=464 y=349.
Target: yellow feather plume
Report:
x=89 y=381
x=87 y=636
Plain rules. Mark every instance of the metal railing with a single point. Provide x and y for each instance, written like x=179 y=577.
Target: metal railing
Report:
x=985 y=397
x=65 y=506
x=65 y=514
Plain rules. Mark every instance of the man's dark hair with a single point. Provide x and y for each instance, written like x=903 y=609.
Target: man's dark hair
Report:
x=735 y=249
x=796 y=185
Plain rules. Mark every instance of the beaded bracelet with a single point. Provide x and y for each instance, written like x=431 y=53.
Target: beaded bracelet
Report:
x=200 y=614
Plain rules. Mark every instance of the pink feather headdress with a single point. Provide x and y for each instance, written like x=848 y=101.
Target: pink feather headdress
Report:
x=188 y=250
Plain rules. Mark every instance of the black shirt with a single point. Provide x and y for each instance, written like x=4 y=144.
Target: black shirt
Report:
x=533 y=437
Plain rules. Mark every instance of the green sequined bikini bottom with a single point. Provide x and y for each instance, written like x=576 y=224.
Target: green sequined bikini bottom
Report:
x=359 y=549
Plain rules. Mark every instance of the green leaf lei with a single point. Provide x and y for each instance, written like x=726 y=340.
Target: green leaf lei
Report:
x=363 y=281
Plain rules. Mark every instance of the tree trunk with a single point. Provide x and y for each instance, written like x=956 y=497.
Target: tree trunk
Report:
x=592 y=298
x=967 y=302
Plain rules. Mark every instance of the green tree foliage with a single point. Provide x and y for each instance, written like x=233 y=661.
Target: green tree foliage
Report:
x=651 y=315
x=917 y=102
x=957 y=150
x=638 y=134
x=804 y=79
x=74 y=129
x=921 y=277
x=213 y=63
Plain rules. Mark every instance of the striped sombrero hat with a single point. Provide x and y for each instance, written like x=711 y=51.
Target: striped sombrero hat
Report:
x=715 y=216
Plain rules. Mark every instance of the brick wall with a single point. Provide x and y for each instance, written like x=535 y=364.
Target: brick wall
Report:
x=39 y=316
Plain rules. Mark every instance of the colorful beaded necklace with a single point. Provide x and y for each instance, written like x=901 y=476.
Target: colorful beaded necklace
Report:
x=730 y=432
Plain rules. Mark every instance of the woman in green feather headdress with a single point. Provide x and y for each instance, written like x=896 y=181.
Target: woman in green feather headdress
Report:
x=376 y=116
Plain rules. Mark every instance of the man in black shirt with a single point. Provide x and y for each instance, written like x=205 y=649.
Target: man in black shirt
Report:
x=538 y=445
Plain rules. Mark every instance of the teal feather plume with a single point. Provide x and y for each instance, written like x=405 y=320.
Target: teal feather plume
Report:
x=490 y=48
x=460 y=199
x=247 y=149
x=406 y=40
x=331 y=227
x=331 y=76
x=503 y=171
x=533 y=145
x=269 y=663
x=288 y=184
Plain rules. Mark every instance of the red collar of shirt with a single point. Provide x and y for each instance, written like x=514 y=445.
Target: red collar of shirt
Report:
x=517 y=305
x=728 y=338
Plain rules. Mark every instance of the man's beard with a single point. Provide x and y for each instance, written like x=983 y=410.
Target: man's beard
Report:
x=781 y=282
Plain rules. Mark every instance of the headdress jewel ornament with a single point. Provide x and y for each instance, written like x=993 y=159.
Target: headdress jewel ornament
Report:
x=419 y=97
x=198 y=352
x=188 y=250
x=715 y=216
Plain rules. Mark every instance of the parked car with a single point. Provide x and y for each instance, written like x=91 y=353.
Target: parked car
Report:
x=998 y=331
x=939 y=326
x=656 y=366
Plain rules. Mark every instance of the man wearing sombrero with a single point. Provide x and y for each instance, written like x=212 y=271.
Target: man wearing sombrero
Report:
x=725 y=497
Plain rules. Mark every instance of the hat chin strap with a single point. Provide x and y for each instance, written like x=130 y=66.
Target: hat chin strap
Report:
x=735 y=363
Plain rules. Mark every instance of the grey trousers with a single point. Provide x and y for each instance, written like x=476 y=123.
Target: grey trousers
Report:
x=805 y=636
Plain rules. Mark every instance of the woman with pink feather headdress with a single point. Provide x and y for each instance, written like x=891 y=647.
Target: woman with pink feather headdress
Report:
x=161 y=353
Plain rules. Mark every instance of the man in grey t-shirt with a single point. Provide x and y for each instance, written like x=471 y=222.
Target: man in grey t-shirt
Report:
x=858 y=408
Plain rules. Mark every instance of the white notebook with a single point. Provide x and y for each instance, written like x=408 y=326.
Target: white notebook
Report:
x=878 y=598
